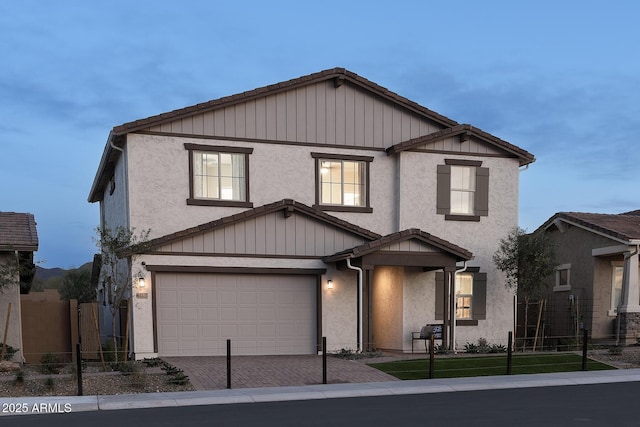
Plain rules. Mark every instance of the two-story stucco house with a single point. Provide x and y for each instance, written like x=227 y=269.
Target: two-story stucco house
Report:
x=321 y=206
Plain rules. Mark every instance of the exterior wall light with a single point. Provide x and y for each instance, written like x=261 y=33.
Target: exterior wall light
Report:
x=141 y=282
x=329 y=284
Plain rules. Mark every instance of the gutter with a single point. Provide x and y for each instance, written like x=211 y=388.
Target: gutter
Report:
x=453 y=312
x=359 y=270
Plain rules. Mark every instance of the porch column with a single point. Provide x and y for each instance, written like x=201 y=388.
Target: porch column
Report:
x=630 y=285
x=449 y=303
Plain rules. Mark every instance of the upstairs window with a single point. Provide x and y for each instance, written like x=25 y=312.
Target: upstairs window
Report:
x=218 y=176
x=342 y=182
x=463 y=190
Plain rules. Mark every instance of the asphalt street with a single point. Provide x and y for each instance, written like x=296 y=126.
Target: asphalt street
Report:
x=593 y=405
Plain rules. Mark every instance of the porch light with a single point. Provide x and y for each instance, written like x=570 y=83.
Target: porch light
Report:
x=141 y=282
x=329 y=284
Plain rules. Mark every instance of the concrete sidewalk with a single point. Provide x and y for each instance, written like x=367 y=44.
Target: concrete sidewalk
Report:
x=62 y=404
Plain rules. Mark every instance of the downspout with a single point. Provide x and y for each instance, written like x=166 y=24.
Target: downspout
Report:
x=359 y=270
x=626 y=259
x=453 y=312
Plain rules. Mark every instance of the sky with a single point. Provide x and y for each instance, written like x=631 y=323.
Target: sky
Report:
x=558 y=78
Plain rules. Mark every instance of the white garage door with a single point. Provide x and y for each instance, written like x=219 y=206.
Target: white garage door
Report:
x=261 y=314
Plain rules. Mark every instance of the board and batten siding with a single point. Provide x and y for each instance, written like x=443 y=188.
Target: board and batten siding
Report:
x=316 y=114
x=409 y=246
x=271 y=234
x=454 y=145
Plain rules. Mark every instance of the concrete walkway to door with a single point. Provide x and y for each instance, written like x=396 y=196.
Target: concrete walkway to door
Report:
x=210 y=372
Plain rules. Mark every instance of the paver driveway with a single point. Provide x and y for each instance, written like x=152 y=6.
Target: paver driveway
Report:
x=210 y=372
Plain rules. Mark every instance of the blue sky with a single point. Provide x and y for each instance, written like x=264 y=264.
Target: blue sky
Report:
x=559 y=79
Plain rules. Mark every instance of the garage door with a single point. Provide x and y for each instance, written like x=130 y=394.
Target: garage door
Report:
x=261 y=314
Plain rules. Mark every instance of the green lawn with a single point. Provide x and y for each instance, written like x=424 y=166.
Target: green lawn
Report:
x=453 y=367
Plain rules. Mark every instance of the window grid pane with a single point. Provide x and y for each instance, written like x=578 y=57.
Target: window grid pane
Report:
x=464 y=296
x=342 y=183
x=463 y=187
x=219 y=176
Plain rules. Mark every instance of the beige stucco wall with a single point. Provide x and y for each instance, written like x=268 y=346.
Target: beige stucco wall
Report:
x=418 y=183
x=387 y=301
x=159 y=176
x=10 y=294
x=339 y=310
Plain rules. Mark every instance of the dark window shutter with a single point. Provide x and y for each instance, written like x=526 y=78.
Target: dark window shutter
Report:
x=482 y=192
x=439 y=295
x=443 y=200
x=479 y=296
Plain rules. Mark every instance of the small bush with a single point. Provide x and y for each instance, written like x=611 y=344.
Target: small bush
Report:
x=153 y=362
x=471 y=348
x=498 y=348
x=9 y=351
x=349 y=354
x=19 y=380
x=50 y=383
x=138 y=380
x=179 y=379
x=127 y=368
x=50 y=363
x=616 y=350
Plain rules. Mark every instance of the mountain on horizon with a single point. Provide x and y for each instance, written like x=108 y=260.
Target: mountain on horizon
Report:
x=51 y=277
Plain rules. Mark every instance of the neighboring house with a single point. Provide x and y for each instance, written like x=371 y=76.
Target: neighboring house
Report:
x=596 y=283
x=18 y=242
x=321 y=206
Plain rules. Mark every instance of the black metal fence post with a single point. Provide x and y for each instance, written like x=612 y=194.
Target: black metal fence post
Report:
x=79 y=368
x=432 y=357
x=509 y=353
x=228 y=363
x=585 y=342
x=324 y=360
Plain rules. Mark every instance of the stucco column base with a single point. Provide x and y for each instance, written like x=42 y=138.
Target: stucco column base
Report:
x=629 y=327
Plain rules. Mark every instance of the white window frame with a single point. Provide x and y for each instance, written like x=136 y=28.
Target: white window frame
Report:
x=468 y=188
x=566 y=287
x=613 y=311
x=460 y=296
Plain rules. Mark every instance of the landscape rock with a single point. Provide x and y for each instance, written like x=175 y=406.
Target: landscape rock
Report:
x=6 y=366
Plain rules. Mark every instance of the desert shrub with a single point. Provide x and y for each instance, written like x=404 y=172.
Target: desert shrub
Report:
x=50 y=363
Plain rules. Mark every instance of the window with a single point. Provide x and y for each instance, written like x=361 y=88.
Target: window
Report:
x=464 y=296
x=218 y=176
x=616 y=287
x=470 y=297
x=563 y=278
x=463 y=190
x=342 y=182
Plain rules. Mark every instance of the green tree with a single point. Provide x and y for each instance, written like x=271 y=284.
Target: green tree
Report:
x=76 y=284
x=527 y=261
x=119 y=249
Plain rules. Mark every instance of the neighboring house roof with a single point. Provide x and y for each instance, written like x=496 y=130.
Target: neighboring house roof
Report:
x=287 y=205
x=18 y=232
x=400 y=236
x=624 y=227
x=464 y=130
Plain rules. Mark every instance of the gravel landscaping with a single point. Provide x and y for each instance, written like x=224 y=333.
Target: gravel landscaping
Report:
x=139 y=378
